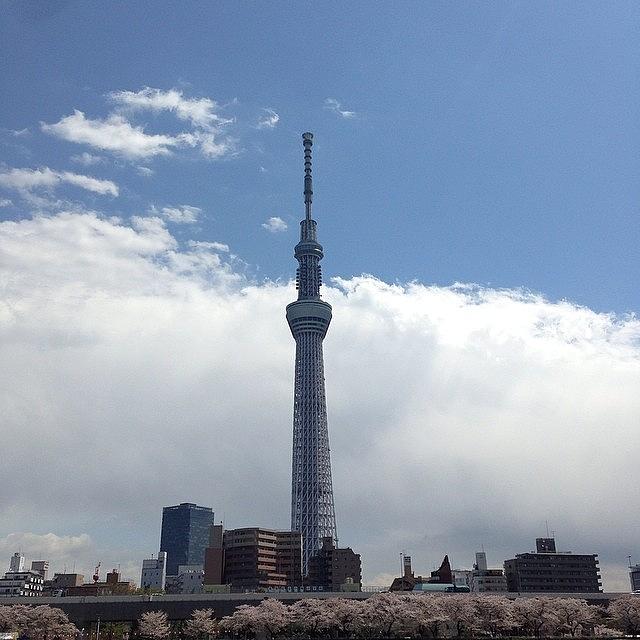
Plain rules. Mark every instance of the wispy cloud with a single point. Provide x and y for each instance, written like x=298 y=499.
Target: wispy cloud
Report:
x=5 y=202
x=275 y=224
x=269 y=120
x=182 y=214
x=200 y=112
x=145 y=171
x=114 y=134
x=209 y=246
x=333 y=105
x=26 y=180
x=86 y=159
x=118 y=135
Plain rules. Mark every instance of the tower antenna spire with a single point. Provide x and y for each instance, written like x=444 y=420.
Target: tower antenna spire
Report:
x=307 y=141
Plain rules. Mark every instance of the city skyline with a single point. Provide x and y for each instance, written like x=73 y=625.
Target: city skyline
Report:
x=478 y=194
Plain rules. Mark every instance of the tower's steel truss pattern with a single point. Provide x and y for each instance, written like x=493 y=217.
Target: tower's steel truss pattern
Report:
x=312 y=509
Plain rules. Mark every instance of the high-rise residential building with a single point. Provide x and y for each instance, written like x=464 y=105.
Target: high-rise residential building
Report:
x=185 y=535
x=154 y=573
x=549 y=570
x=16 y=564
x=257 y=559
x=334 y=569
x=312 y=507
x=634 y=577
x=41 y=567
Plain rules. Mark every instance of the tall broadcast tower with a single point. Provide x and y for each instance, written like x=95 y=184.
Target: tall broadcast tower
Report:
x=312 y=510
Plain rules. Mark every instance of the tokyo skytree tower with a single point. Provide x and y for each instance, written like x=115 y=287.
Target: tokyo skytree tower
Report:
x=312 y=510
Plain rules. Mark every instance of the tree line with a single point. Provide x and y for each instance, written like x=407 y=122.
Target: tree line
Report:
x=384 y=615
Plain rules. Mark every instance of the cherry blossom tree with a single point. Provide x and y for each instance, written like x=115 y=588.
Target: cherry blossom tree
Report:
x=154 y=625
x=625 y=614
x=533 y=615
x=493 y=614
x=240 y=624
x=424 y=616
x=311 y=616
x=202 y=625
x=460 y=614
x=42 y=622
x=573 y=617
x=271 y=618
x=343 y=615
x=383 y=613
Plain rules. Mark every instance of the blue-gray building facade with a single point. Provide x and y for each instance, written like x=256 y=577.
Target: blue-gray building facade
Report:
x=185 y=534
x=312 y=507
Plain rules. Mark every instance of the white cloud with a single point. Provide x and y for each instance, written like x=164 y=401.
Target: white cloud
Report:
x=209 y=246
x=183 y=214
x=458 y=416
x=333 y=105
x=87 y=159
x=200 y=112
x=269 y=120
x=118 y=135
x=147 y=172
x=114 y=134
x=5 y=202
x=275 y=224
x=25 y=180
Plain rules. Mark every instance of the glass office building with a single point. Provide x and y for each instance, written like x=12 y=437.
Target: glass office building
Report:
x=185 y=535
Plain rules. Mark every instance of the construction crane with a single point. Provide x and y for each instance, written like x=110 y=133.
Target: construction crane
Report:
x=96 y=575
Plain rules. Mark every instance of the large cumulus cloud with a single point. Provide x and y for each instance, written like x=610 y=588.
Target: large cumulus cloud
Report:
x=139 y=372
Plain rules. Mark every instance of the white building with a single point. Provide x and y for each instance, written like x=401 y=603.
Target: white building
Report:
x=190 y=579
x=485 y=580
x=461 y=577
x=21 y=584
x=16 y=564
x=154 y=573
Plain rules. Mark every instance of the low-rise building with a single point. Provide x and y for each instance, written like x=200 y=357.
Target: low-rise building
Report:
x=21 y=584
x=334 y=569
x=154 y=573
x=442 y=575
x=547 y=570
x=112 y=586
x=485 y=580
x=188 y=581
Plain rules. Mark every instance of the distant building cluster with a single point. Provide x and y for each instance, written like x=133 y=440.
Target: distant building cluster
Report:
x=546 y=570
x=196 y=556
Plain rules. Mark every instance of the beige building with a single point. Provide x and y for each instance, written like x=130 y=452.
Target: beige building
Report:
x=254 y=559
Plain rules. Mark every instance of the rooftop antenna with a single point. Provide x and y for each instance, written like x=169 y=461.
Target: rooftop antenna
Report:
x=547 y=525
x=307 y=141
x=629 y=561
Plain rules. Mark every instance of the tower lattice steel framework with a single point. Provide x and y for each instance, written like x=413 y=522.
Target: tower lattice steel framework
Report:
x=312 y=509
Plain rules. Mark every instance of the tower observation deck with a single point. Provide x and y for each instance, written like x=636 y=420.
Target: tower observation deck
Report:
x=312 y=509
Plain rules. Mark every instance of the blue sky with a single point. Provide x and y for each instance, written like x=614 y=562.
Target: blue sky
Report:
x=150 y=193
x=493 y=143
